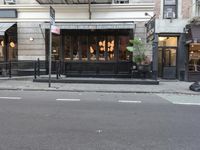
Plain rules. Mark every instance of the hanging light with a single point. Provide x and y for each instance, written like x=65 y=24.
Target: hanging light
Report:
x=2 y=43
x=12 y=44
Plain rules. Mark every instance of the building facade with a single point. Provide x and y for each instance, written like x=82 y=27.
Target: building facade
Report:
x=176 y=41
x=93 y=34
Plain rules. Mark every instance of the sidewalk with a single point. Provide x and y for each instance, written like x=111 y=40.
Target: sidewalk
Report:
x=27 y=84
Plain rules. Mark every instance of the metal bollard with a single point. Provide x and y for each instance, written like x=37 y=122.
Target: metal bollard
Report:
x=10 y=67
x=35 y=70
x=38 y=67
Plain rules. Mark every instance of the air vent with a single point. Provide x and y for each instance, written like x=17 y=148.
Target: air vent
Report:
x=170 y=15
x=10 y=1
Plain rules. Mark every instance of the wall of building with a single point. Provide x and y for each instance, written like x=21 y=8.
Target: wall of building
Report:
x=172 y=25
x=30 y=49
x=31 y=14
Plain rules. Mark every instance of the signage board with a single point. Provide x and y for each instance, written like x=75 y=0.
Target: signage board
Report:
x=52 y=16
x=150 y=28
x=55 y=29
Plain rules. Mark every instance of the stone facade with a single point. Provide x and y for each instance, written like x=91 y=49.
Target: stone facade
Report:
x=186 y=8
x=30 y=49
x=157 y=7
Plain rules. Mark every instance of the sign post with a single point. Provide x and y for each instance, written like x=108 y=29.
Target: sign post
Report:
x=52 y=22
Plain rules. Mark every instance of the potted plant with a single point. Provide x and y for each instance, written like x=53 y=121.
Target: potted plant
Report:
x=137 y=47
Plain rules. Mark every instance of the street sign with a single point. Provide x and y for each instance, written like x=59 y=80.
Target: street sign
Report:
x=55 y=29
x=52 y=16
x=150 y=29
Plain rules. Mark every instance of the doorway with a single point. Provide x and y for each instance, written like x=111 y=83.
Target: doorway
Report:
x=167 y=62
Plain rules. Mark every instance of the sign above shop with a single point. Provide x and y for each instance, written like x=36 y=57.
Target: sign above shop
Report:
x=8 y=13
x=55 y=30
x=150 y=28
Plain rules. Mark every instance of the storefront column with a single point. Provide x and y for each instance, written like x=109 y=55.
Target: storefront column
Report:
x=155 y=58
x=182 y=58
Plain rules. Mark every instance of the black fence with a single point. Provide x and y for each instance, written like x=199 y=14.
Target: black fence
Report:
x=75 y=69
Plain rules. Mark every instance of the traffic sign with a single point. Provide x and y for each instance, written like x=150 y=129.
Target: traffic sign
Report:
x=52 y=16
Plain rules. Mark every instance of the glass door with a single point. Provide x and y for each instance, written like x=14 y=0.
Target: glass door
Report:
x=167 y=62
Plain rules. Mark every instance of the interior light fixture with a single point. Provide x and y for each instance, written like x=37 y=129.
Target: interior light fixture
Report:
x=12 y=44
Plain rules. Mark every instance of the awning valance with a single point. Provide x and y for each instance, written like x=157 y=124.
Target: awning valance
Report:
x=74 y=1
x=193 y=33
x=4 y=27
x=94 y=25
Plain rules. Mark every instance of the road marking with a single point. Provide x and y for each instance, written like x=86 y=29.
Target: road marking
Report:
x=181 y=99
x=70 y=100
x=10 y=98
x=187 y=103
x=127 y=101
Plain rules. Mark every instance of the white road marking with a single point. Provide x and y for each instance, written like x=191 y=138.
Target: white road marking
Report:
x=127 y=101
x=187 y=103
x=10 y=98
x=70 y=100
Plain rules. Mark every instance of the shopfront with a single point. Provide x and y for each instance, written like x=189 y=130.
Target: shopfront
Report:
x=99 y=51
x=8 y=45
x=193 y=51
x=167 y=57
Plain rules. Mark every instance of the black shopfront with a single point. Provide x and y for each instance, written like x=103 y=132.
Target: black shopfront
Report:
x=193 y=52
x=93 y=50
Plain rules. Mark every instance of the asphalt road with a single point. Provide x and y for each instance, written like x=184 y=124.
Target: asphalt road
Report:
x=96 y=121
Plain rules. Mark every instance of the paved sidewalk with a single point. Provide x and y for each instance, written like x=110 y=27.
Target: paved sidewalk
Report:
x=27 y=84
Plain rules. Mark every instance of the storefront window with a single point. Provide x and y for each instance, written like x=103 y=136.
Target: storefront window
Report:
x=167 y=41
x=12 y=48
x=93 y=48
x=67 y=52
x=194 y=57
x=91 y=45
x=1 y=49
x=102 y=48
x=55 y=47
x=111 y=47
x=83 y=47
x=123 y=53
x=74 y=42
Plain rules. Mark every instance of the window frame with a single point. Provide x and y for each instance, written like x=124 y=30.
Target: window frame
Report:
x=170 y=5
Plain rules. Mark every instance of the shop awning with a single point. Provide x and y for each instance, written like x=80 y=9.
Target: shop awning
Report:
x=94 y=25
x=193 y=33
x=74 y=1
x=4 y=27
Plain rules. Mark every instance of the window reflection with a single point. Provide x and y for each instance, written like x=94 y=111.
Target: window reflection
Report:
x=12 y=48
x=67 y=54
x=167 y=41
x=111 y=47
x=93 y=48
x=55 y=47
x=83 y=47
x=102 y=48
x=194 y=57
x=1 y=49
x=123 y=53
x=75 y=48
x=97 y=45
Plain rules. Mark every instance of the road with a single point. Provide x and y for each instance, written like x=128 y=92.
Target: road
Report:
x=98 y=121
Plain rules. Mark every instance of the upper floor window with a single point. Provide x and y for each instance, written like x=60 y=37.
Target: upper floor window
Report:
x=121 y=1
x=198 y=7
x=170 y=9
